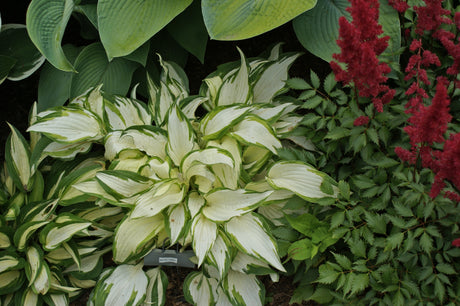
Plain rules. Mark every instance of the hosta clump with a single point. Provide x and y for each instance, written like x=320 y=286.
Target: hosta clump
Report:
x=52 y=239
x=208 y=182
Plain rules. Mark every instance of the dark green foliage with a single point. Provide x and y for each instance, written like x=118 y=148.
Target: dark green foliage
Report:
x=386 y=241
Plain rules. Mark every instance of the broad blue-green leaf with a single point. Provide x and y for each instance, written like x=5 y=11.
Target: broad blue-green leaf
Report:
x=124 y=25
x=46 y=21
x=318 y=29
x=94 y=68
x=241 y=19
x=189 y=31
x=54 y=84
x=15 y=44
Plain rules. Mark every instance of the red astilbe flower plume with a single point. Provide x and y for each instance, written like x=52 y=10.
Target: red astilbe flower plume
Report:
x=360 y=47
x=431 y=16
x=400 y=5
x=447 y=167
x=428 y=125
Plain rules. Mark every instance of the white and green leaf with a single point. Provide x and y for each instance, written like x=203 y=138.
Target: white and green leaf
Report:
x=134 y=235
x=204 y=233
x=69 y=125
x=300 y=178
x=224 y=204
x=254 y=130
x=259 y=244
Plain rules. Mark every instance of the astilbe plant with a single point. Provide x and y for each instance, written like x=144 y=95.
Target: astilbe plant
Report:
x=209 y=182
x=393 y=231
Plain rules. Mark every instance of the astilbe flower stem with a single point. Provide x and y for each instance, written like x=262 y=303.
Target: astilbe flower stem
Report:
x=360 y=46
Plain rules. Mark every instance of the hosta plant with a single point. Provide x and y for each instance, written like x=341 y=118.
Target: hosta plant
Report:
x=197 y=171
x=52 y=240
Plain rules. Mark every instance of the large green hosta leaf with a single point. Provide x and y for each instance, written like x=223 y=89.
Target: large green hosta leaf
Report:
x=241 y=19
x=124 y=25
x=318 y=29
x=46 y=21
x=94 y=68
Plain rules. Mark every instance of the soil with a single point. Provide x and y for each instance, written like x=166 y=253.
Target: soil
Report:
x=16 y=99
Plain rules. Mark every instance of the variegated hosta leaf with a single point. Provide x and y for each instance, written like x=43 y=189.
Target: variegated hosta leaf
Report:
x=55 y=233
x=216 y=123
x=67 y=151
x=208 y=156
x=17 y=156
x=272 y=79
x=235 y=86
x=4 y=240
x=123 y=113
x=133 y=236
x=247 y=264
x=175 y=78
x=88 y=264
x=69 y=194
x=156 y=290
x=271 y=112
x=181 y=137
x=204 y=233
x=198 y=290
x=228 y=176
x=123 y=285
x=259 y=243
x=224 y=204
x=277 y=194
x=244 y=289
x=93 y=187
x=122 y=184
x=92 y=100
x=10 y=262
x=150 y=140
x=254 y=158
x=287 y=124
x=69 y=125
x=300 y=178
x=156 y=169
x=254 y=130
x=194 y=203
x=176 y=221
x=160 y=196
x=42 y=282
x=61 y=255
x=190 y=105
x=25 y=231
x=219 y=255
x=11 y=281
x=98 y=213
